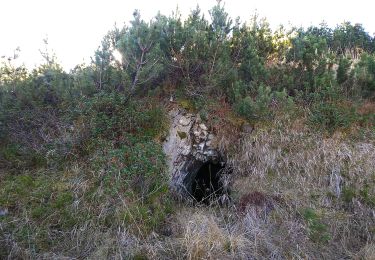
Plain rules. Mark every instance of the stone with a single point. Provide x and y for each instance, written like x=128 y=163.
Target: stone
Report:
x=198 y=119
x=185 y=151
x=203 y=135
x=3 y=212
x=187 y=147
x=211 y=153
x=184 y=121
x=203 y=127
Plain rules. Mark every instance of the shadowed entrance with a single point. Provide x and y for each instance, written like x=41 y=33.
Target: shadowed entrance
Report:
x=206 y=185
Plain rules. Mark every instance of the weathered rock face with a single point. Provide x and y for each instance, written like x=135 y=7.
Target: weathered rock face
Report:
x=188 y=146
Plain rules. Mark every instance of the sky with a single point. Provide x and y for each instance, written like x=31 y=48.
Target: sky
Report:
x=75 y=28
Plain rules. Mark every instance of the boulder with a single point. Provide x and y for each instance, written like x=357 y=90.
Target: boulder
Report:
x=188 y=146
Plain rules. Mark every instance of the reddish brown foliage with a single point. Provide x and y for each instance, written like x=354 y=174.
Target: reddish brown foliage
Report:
x=255 y=198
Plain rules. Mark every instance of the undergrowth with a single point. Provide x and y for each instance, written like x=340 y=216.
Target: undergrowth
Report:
x=113 y=176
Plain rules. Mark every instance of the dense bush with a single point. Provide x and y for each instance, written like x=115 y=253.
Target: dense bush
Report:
x=365 y=76
x=263 y=105
x=110 y=115
x=109 y=143
x=332 y=116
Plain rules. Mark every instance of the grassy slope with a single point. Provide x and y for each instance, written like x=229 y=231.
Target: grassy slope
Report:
x=296 y=193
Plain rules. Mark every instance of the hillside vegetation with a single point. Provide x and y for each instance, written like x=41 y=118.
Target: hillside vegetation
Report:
x=82 y=170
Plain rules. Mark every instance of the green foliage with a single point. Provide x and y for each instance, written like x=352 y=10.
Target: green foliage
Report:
x=127 y=162
x=258 y=108
x=139 y=45
x=111 y=115
x=63 y=199
x=150 y=216
x=261 y=106
x=365 y=75
x=363 y=193
x=343 y=70
x=140 y=164
x=32 y=107
x=187 y=104
x=248 y=59
x=351 y=39
x=11 y=75
x=318 y=231
x=218 y=55
x=348 y=193
x=137 y=170
x=132 y=161
x=367 y=196
x=15 y=155
x=329 y=116
x=46 y=200
x=82 y=81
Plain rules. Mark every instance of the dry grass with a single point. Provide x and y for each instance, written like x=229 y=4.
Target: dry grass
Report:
x=367 y=108
x=217 y=233
x=296 y=195
x=205 y=236
x=367 y=252
x=332 y=176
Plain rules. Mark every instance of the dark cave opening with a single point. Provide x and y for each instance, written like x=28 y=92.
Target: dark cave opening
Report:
x=207 y=185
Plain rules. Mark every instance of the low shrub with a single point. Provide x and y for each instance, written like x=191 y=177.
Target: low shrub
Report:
x=330 y=116
x=109 y=115
x=264 y=105
x=365 y=76
x=318 y=231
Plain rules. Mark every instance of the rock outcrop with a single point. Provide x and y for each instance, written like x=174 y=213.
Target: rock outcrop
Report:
x=188 y=146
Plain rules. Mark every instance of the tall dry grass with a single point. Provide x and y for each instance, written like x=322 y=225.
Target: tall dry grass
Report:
x=334 y=177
